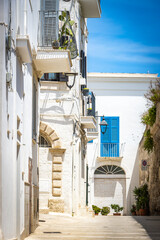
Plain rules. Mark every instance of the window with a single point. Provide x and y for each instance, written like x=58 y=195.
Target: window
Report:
x=43 y=142
x=110 y=140
x=49 y=21
x=109 y=169
x=54 y=77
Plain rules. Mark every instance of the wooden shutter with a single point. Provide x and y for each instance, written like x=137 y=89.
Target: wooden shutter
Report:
x=50 y=21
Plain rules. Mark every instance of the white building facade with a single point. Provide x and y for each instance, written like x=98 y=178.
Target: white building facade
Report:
x=19 y=121
x=64 y=117
x=112 y=157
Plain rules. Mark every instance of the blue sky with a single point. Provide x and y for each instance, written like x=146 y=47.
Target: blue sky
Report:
x=126 y=38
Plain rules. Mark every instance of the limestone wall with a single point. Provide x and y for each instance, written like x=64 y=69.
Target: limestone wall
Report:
x=152 y=173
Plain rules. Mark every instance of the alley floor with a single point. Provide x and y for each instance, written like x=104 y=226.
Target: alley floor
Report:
x=99 y=227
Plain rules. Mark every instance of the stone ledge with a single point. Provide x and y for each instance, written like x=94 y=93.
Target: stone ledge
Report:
x=118 y=159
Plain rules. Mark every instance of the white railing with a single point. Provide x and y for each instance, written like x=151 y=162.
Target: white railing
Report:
x=112 y=149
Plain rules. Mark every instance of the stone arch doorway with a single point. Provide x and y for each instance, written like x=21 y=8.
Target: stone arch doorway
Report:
x=50 y=170
x=110 y=186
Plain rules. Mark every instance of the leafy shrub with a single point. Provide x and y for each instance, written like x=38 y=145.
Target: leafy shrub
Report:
x=96 y=209
x=133 y=208
x=141 y=196
x=116 y=208
x=153 y=95
x=105 y=210
x=149 y=117
x=148 y=142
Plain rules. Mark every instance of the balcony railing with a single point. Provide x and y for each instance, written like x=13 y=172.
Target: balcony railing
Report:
x=109 y=149
x=112 y=149
x=56 y=31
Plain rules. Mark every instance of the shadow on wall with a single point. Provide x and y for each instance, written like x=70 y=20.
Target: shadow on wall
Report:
x=134 y=182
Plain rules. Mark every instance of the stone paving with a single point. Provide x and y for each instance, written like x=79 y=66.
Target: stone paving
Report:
x=100 y=227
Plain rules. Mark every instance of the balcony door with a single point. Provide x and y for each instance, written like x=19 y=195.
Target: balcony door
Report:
x=49 y=21
x=110 y=140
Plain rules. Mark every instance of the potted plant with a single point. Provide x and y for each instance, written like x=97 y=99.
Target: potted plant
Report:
x=117 y=209
x=55 y=44
x=142 y=199
x=105 y=211
x=133 y=210
x=96 y=209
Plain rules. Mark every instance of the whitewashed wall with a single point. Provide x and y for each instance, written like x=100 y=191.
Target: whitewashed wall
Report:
x=16 y=103
x=120 y=95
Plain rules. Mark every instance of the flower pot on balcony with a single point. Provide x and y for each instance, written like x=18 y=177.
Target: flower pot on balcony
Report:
x=55 y=44
x=85 y=91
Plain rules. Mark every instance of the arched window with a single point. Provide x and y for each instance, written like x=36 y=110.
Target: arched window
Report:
x=43 y=142
x=109 y=169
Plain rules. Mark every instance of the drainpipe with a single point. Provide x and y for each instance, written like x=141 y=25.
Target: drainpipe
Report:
x=73 y=174
x=25 y=17
x=2 y=97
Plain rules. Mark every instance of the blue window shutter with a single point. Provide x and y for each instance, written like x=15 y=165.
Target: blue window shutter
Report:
x=110 y=140
x=114 y=129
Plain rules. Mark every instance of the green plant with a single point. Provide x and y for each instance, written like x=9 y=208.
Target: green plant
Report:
x=149 y=117
x=153 y=95
x=65 y=31
x=116 y=208
x=105 y=210
x=96 y=209
x=148 y=141
x=133 y=208
x=141 y=196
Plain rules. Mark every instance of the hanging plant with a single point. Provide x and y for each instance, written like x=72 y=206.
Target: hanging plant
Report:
x=148 y=142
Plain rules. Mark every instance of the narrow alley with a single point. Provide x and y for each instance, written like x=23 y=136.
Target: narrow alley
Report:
x=99 y=227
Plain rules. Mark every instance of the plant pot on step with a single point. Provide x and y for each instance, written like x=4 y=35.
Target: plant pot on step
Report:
x=142 y=212
x=116 y=214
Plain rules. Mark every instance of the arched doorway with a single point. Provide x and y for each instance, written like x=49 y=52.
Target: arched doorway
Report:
x=109 y=186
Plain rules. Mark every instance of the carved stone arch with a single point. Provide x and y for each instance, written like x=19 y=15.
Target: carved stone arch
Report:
x=49 y=134
x=108 y=169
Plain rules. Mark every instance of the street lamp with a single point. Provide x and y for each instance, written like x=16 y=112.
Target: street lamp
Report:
x=103 y=125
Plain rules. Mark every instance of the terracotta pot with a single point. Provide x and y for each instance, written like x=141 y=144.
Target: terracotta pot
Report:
x=133 y=213
x=137 y=212
x=142 y=212
x=117 y=214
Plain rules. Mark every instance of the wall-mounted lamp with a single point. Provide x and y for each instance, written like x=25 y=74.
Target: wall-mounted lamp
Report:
x=103 y=125
x=72 y=74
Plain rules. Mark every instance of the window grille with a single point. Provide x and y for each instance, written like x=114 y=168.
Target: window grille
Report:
x=43 y=142
x=109 y=169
